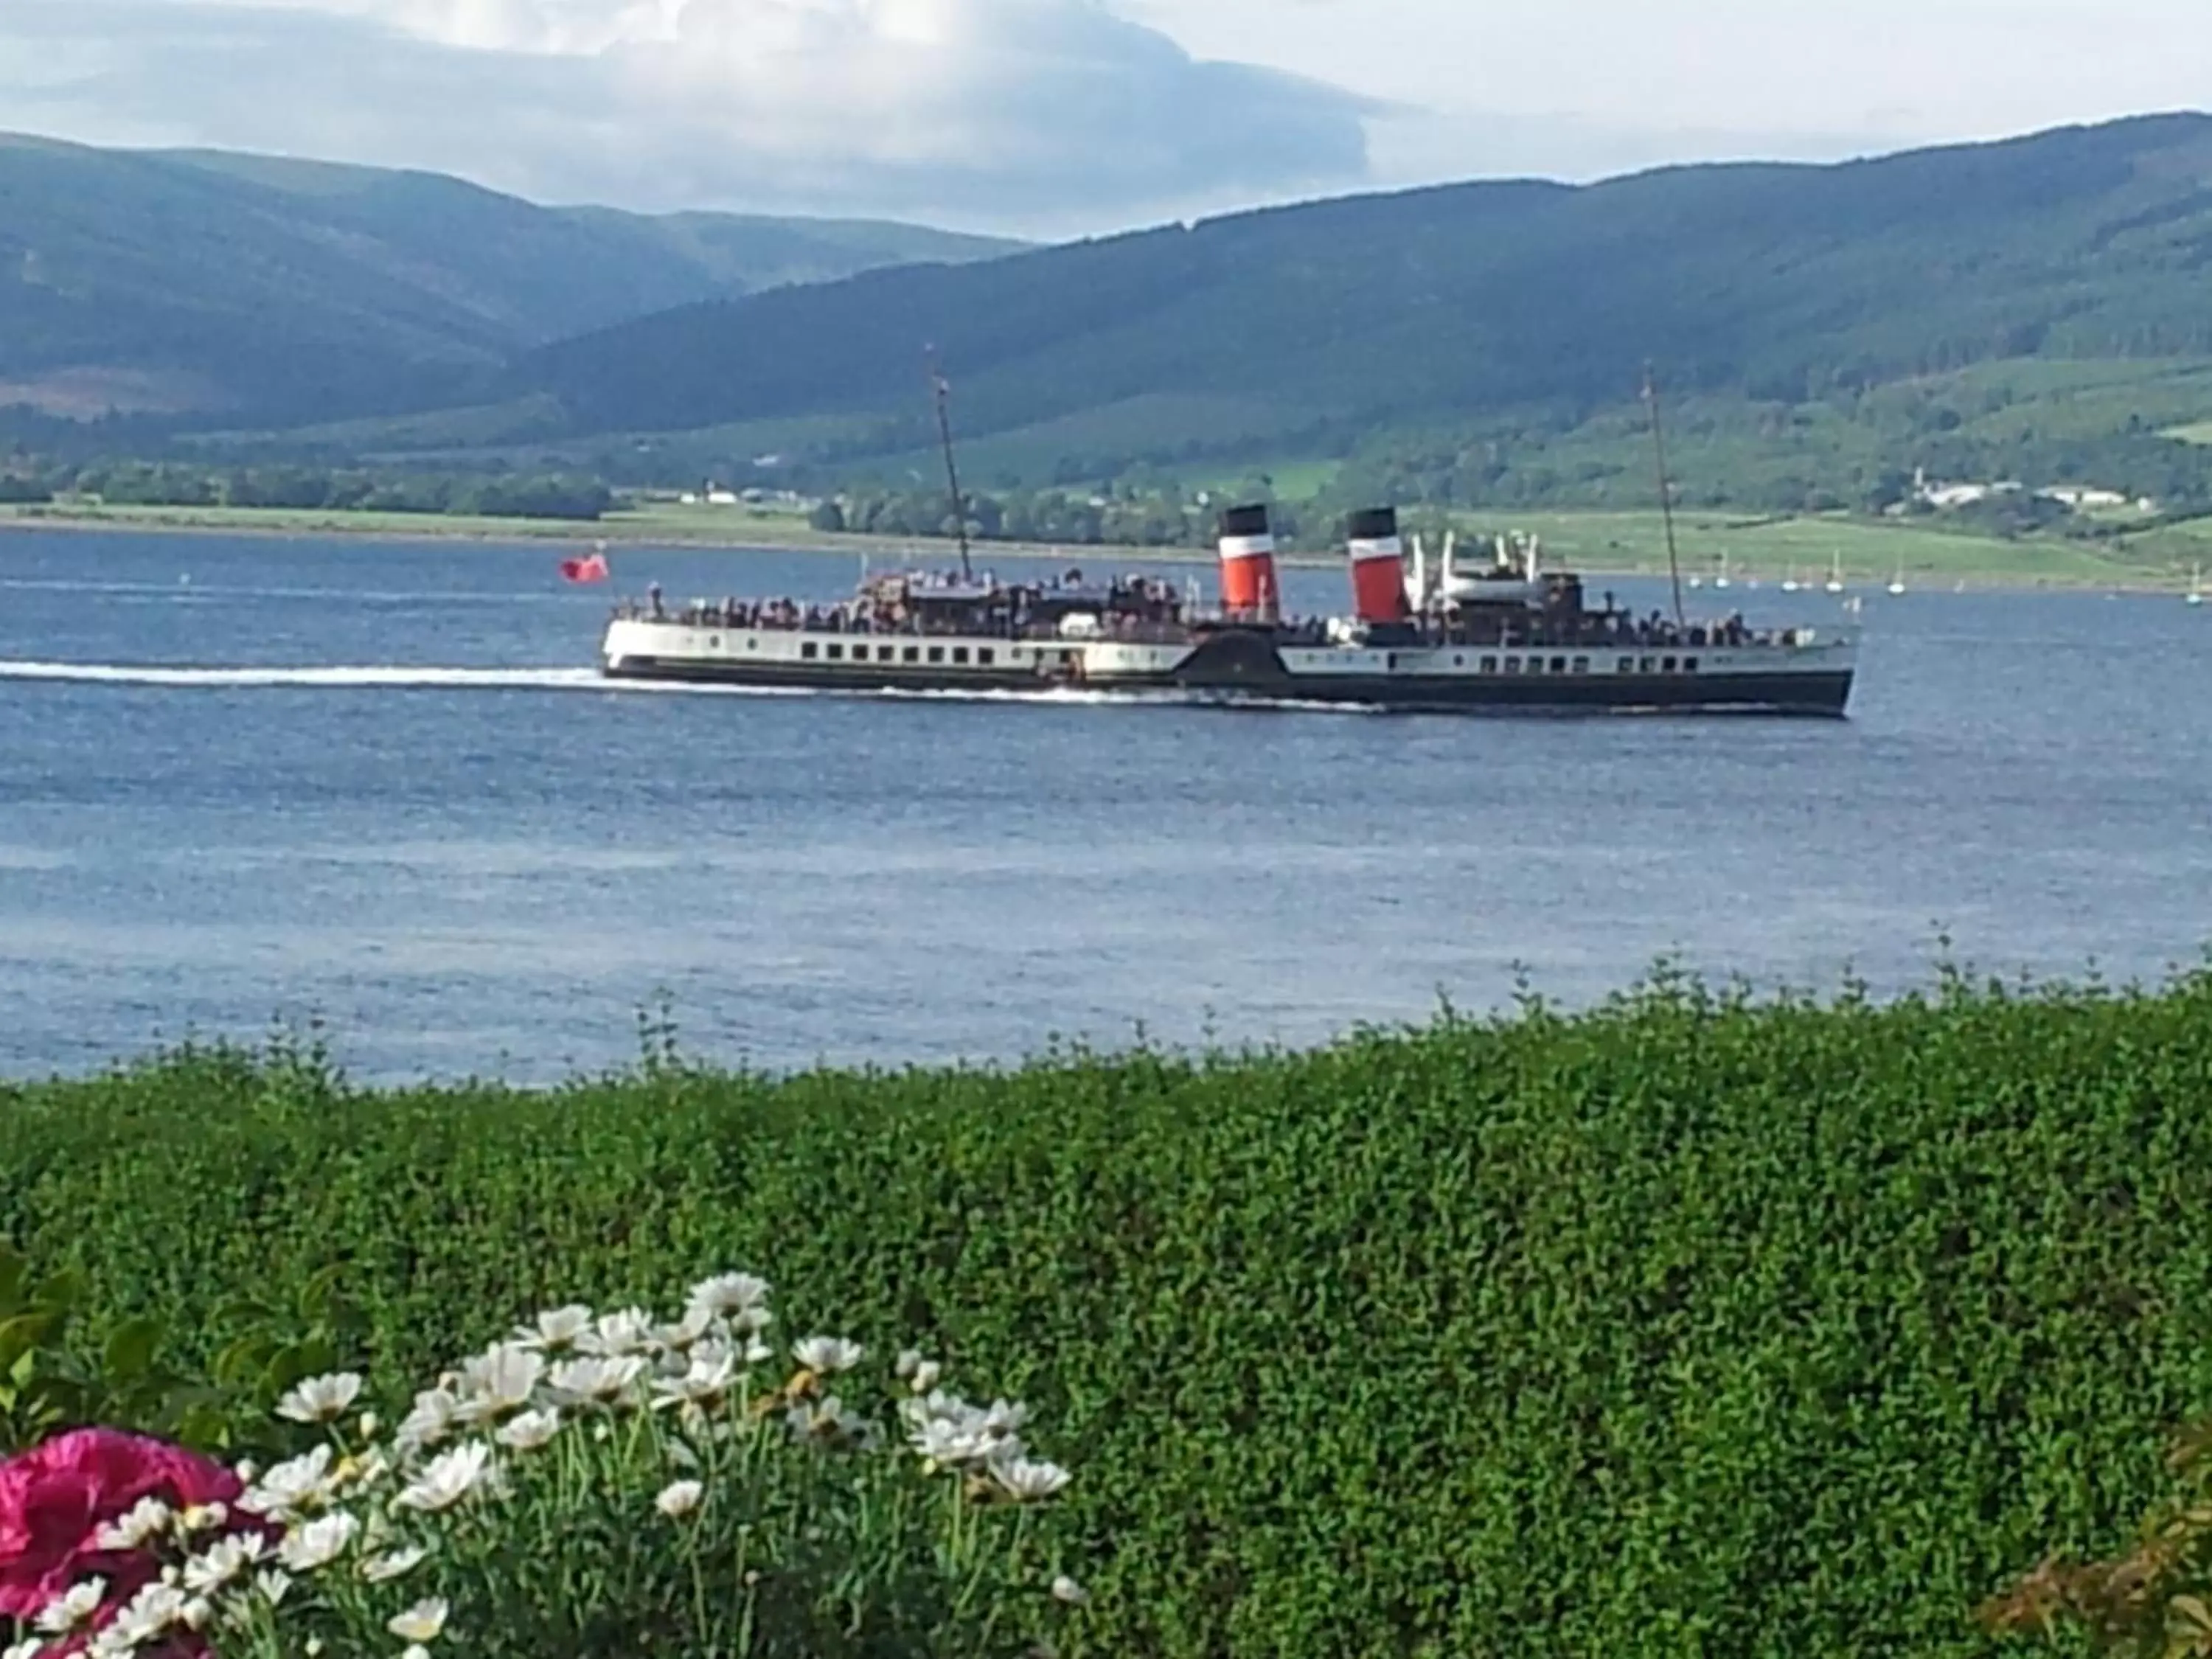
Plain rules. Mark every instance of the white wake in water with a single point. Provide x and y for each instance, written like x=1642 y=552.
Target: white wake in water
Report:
x=397 y=677
x=348 y=677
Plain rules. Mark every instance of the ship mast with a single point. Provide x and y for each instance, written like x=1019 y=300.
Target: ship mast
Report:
x=1665 y=491
x=951 y=472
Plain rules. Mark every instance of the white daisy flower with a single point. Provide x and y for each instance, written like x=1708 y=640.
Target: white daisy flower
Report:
x=678 y=1499
x=449 y=1478
x=397 y=1564
x=292 y=1487
x=1065 y=1589
x=273 y=1583
x=435 y=1415
x=150 y=1614
x=596 y=1379
x=949 y=1444
x=321 y=1541
x=499 y=1380
x=697 y=1324
x=320 y=1398
x=827 y=1354
x=73 y=1607
x=145 y=1522
x=26 y=1648
x=530 y=1430
x=225 y=1559
x=557 y=1330
x=1026 y=1482
x=617 y=1334
x=919 y=1374
x=420 y=1623
x=704 y=1382
x=726 y=1296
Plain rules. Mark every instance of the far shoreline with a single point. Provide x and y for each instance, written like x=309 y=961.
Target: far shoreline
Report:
x=558 y=534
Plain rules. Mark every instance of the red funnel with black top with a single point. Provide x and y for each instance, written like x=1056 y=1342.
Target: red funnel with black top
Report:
x=1248 y=587
x=1378 y=565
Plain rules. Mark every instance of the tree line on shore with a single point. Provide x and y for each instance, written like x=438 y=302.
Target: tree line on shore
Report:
x=309 y=489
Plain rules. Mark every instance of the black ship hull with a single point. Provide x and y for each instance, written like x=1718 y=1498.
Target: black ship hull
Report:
x=1780 y=693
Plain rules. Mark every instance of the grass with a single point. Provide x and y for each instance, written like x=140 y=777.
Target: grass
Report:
x=1691 y=1325
x=1769 y=549
x=1765 y=549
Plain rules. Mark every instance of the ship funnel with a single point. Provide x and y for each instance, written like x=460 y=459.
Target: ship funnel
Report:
x=1378 y=571
x=1249 y=588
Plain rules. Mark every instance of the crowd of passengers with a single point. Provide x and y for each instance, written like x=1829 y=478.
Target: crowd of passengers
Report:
x=1610 y=627
x=1129 y=602
x=1133 y=604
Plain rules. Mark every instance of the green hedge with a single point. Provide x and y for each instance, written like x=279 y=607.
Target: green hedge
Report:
x=1686 y=1327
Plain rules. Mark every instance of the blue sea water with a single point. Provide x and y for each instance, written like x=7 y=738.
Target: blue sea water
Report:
x=377 y=785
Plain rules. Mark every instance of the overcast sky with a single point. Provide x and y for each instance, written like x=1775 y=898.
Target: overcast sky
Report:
x=1061 y=117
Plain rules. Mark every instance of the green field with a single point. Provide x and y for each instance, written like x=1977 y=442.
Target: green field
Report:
x=1683 y=1326
x=1765 y=550
x=1773 y=549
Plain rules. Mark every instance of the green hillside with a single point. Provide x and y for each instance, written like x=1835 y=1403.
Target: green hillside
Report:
x=1320 y=325
x=190 y=281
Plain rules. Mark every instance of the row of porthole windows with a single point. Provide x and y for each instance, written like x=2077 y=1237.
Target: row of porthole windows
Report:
x=1582 y=665
x=984 y=656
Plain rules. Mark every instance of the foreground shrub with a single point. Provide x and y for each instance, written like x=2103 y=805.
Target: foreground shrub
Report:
x=2154 y=1601
x=55 y=1376
x=1686 y=1327
x=593 y=1484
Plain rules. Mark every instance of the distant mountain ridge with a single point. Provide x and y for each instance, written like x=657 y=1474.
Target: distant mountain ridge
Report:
x=1314 y=322
x=303 y=289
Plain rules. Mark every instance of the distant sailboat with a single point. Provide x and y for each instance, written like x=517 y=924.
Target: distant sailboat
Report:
x=1789 y=581
x=1722 y=580
x=2196 y=585
x=1836 y=574
x=1897 y=582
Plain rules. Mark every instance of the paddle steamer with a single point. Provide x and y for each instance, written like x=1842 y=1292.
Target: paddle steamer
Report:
x=1500 y=633
x=1504 y=634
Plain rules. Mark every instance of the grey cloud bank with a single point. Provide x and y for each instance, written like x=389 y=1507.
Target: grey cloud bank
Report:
x=1044 y=116
x=1061 y=117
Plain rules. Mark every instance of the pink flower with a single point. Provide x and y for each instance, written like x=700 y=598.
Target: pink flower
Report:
x=55 y=1499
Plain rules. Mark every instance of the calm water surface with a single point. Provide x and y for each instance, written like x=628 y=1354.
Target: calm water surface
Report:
x=243 y=781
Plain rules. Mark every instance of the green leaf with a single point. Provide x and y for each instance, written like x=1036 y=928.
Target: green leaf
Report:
x=25 y=1334
x=64 y=1293
x=131 y=1346
x=318 y=1298
x=245 y=1360
x=14 y=1268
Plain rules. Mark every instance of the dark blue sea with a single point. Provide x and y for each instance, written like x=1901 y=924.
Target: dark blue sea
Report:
x=376 y=787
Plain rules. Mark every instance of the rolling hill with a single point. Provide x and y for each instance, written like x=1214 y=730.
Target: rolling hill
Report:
x=1302 y=329
x=194 y=281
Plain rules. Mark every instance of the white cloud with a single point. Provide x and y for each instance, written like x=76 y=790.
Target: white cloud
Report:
x=1579 y=89
x=1047 y=115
